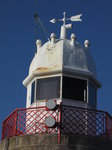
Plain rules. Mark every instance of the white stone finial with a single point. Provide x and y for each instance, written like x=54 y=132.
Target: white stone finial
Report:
x=64 y=27
x=86 y=43
x=39 y=44
x=53 y=38
x=73 y=38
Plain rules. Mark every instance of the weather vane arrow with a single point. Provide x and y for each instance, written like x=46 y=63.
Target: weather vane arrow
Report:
x=73 y=18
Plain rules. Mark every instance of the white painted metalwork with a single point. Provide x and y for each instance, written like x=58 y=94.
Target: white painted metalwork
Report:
x=73 y=39
x=86 y=43
x=59 y=57
x=53 y=38
x=73 y=18
x=64 y=27
x=39 y=44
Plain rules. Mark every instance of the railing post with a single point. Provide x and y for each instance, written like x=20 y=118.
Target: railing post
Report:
x=15 y=125
x=59 y=126
x=106 y=124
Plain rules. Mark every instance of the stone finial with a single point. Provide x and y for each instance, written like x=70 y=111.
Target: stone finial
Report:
x=53 y=38
x=39 y=44
x=86 y=43
x=73 y=38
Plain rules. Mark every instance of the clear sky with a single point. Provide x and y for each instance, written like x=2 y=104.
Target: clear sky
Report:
x=17 y=43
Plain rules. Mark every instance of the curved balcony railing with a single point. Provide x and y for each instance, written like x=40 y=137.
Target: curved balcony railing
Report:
x=86 y=122
x=29 y=121
x=69 y=120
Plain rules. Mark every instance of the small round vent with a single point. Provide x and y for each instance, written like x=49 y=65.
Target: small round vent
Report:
x=50 y=122
x=51 y=104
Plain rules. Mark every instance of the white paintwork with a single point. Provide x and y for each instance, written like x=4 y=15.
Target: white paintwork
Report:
x=61 y=54
x=78 y=57
x=48 y=58
x=76 y=18
x=64 y=28
x=73 y=39
x=28 y=102
x=61 y=57
x=39 y=44
x=86 y=43
x=53 y=20
x=58 y=57
x=54 y=58
x=63 y=32
x=73 y=18
x=53 y=38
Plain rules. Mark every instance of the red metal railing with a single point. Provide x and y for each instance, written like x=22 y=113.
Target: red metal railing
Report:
x=29 y=121
x=69 y=120
x=86 y=122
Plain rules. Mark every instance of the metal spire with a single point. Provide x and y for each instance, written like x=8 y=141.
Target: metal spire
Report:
x=73 y=18
x=43 y=30
x=64 y=17
x=36 y=19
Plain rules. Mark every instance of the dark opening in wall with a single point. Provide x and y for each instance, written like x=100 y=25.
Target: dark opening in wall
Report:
x=75 y=89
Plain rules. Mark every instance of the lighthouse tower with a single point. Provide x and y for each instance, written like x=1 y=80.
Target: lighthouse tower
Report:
x=61 y=103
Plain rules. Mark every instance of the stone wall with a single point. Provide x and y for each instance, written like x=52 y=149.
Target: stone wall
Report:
x=49 y=142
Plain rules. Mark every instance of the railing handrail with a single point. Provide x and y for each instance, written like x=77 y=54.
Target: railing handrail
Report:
x=39 y=107
x=87 y=109
x=22 y=109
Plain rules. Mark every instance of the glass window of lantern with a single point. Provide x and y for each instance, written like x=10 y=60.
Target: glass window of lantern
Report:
x=48 y=88
x=75 y=89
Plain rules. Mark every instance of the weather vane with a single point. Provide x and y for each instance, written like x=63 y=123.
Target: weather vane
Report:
x=73 y=18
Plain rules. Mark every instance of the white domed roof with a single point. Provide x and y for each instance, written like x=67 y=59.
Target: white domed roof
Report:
x=63 y=54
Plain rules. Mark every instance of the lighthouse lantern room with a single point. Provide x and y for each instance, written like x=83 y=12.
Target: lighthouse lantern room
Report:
x=62 y=70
